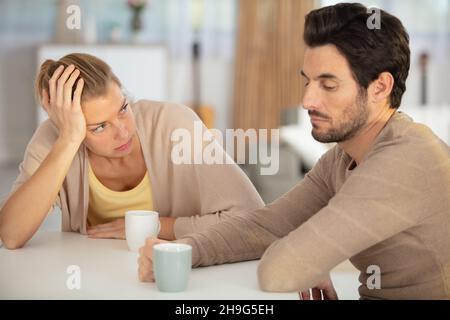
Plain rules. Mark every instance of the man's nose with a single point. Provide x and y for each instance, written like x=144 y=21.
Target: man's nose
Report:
x=311 y=98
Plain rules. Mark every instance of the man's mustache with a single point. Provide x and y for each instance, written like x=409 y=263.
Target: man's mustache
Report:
x=313 y=113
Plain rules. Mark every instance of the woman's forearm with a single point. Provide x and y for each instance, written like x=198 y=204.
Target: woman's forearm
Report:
x=28 y=206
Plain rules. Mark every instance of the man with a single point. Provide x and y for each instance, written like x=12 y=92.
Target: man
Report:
x=380 y=197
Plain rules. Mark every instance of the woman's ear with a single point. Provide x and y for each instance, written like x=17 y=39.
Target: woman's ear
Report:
x=45 y=100
x=381 y=88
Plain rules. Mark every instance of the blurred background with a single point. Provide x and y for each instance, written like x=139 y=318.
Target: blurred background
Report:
x=239 y=60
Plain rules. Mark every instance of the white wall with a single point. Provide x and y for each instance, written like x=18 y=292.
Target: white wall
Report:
x=216 y=82
x=438 y=76
x=24 y=25
x=18 y=111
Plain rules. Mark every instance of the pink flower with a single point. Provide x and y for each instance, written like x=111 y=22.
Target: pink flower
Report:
x=137 y=4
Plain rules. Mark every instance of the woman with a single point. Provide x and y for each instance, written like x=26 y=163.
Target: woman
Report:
x=98 y=156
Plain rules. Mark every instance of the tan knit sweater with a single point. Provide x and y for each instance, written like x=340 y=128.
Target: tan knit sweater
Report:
x=198 y=195
x=391 y=211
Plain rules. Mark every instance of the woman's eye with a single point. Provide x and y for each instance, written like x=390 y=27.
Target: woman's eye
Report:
x=99 y=129
x=124 y=109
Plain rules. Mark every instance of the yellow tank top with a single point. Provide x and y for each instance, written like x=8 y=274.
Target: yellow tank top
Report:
x=106 y=205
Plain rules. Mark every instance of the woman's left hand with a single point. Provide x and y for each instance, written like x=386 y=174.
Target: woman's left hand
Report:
x=110 y=230
x=116 y=229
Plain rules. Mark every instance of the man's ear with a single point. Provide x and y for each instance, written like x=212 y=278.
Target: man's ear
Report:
x=381 y=88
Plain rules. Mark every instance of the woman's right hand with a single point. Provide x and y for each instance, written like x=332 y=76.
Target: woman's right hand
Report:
x=62 y=110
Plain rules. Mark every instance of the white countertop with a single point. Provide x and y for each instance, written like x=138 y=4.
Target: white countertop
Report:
x=299 y=137
x=109 y=271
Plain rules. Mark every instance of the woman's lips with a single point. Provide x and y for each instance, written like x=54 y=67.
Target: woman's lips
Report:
x=124 y=146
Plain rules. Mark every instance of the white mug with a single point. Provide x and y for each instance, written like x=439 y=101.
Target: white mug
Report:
x=140 y=225
x=172 y=264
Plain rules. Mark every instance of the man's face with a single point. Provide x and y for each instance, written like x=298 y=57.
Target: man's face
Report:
x=336 y=104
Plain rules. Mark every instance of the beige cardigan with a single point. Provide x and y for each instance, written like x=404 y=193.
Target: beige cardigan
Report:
x=199 y=195
x=391 y=212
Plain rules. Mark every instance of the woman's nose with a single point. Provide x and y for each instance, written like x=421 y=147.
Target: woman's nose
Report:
x=122 y=131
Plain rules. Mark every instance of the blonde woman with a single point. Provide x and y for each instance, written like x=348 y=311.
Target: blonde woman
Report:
x=99 y=155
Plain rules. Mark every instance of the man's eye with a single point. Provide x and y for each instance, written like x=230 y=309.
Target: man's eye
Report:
x=330 y=88
x=100 y=128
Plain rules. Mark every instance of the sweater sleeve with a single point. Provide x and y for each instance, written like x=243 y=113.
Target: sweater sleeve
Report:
x=228 y=191
x=385 y=195
x=37 y=150
x=223 y=188
x=245 y=236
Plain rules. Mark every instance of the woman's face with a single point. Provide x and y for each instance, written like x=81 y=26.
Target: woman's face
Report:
x=110 y=124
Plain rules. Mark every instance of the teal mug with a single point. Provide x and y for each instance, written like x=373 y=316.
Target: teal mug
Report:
x=172 y=263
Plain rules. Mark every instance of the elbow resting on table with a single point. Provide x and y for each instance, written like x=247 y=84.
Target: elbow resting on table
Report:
x=272 y=279
x=275 y=277
x=10 y=242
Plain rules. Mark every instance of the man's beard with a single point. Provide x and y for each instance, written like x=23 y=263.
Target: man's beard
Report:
x=353 y=119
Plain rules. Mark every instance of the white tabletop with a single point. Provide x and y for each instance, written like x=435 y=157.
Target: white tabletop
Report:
x=109 y=271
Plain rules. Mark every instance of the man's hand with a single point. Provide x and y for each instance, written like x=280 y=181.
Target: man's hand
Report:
x=145 y=260
x=110 y=230
x=324 y=290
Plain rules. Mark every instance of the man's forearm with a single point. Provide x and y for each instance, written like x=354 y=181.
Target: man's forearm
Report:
x=245 y=236
x=167 y=228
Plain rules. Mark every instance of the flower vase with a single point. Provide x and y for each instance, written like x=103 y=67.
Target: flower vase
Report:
x=136 y=26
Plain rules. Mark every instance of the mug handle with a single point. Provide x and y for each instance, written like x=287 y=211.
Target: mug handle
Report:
x=159 y=227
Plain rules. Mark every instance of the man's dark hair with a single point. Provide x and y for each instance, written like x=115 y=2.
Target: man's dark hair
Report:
x=369 y=52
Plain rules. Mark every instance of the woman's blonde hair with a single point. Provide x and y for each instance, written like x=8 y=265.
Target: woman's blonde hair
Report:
x=96 y=73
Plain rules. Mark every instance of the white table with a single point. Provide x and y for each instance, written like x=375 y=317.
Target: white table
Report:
x=109 y=271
